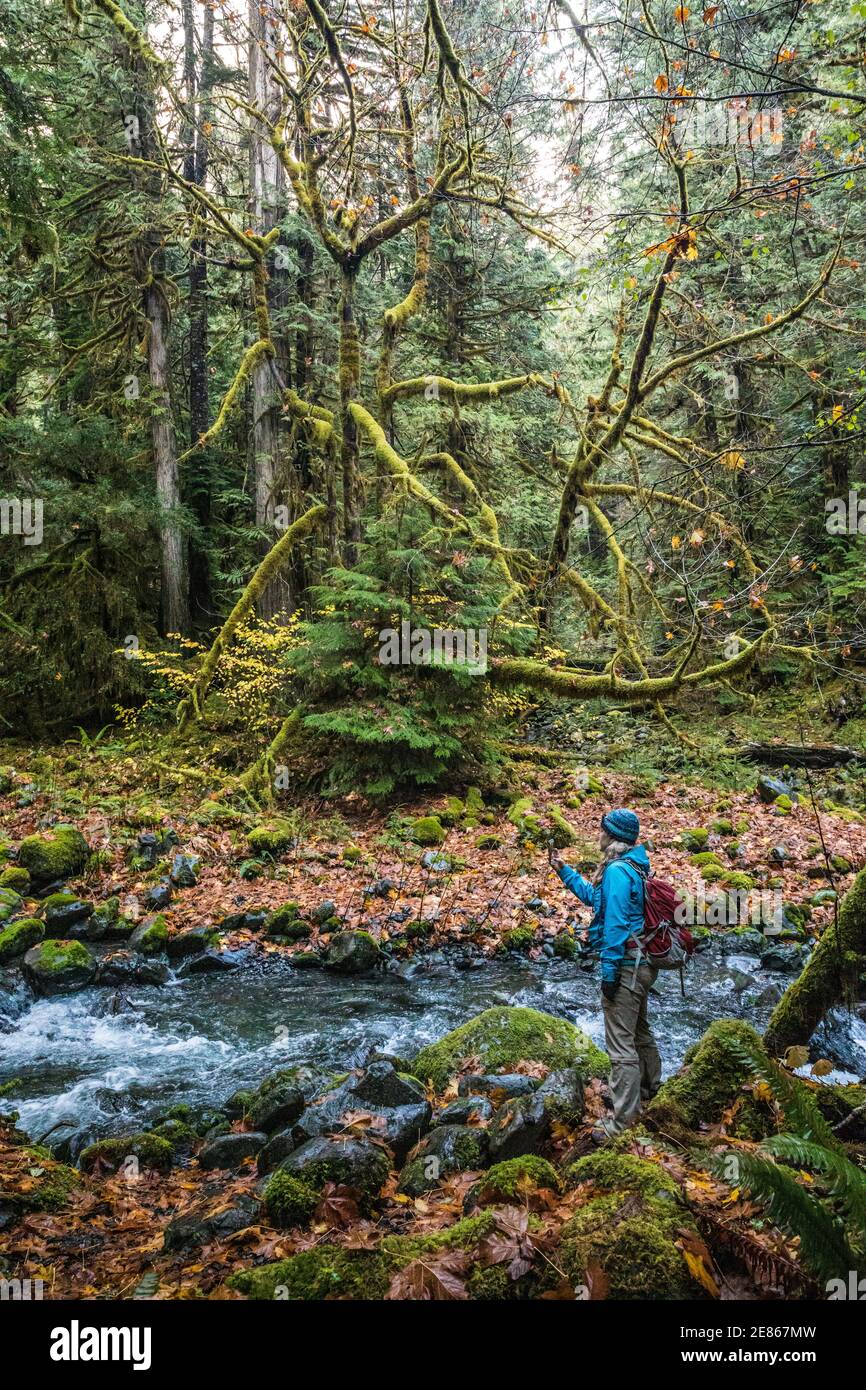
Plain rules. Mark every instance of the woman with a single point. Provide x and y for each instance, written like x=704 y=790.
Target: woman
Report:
x=616 y=896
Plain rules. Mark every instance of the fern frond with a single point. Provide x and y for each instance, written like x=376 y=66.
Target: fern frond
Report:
x=845 y=1181
x=798 y=1104
x=824 y=1247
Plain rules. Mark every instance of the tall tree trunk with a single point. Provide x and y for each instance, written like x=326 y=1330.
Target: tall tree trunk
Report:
x=266 y=205
x=198 y=91
x=350 y=378
x=174 y=593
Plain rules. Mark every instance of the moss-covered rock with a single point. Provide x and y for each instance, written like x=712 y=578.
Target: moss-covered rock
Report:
x=289 y=1200
x=151 y=936
x=428 y=830
x=722 y=827
x=564 y=945
x=149 y=1151
x=742 y=882
x=15 y=877
x=706 y=857
x=517 y=939
x=334 y=1272
x=515 y=1180
x=562 y=834
x=18 y=937
x=445 y=1150
x=10 y=903
x=59 y=967
x=630 y=1228
x=286 y=921
x=501 y=1037
x=59 y=854
x=36 y=1182
x=272 y=839
x=352 y=854
x=709 y=1081
x=355 y=1162
x=488 y=842
x=694 y=838
x=353 y=953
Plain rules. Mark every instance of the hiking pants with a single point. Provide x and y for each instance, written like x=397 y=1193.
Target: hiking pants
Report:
x=635 y=1065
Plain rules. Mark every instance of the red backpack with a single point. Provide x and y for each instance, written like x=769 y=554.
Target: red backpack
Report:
x=664 y=943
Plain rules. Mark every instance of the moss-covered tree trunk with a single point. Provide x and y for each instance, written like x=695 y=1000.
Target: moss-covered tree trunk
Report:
x=350 y=379
x=831 y=976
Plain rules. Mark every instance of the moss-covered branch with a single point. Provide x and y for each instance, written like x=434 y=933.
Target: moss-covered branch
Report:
x=275 y=560
x=831 y=975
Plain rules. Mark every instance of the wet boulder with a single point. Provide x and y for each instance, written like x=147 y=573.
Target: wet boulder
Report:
x=398 y=1109
x=466 y=1111
x=66 y=916
x=231 y=1150
x=129 y=968
x=59 y=967
x=278 y=1147
x=445 y=1150
x=184 y=870
x=190 y=942
x=150 y=936
x=107 y=924
x=520 y=1126
x=504 y=1086
x=197 y=1228
x=788 y=957
x=159 y=896
x=59 y=854
x=503 y=1036
x=207 y=963
x=355 y=1163
x=130 y=1152
x=353 y=953
x=10 y=903
x=276 y=1103
x=17 y=938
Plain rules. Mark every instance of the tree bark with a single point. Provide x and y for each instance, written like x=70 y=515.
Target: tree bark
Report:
x=831 y=975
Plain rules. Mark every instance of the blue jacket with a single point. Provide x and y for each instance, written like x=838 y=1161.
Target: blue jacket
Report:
x=617 y=905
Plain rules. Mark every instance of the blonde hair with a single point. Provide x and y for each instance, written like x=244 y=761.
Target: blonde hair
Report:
x=615 y=850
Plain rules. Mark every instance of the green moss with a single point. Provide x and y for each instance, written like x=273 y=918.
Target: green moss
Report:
x=632 y=1237
x=709 y=1081
x=289 y=1201
x=38 y=1182
x=739 y=881
x=501 y=1037
x=488 y=842
x=722 y=827
x=694 y=838
x=19 y=936
x=15 y=877
x=57 y=955
x=565 y=946
x=454 y=811
x=154 y=937
x=150 y=1150
x=272 y=839
x=55 y=900
x=840 y=864
x=563 y=834
x=514 y=1179
x=783 y=804
x=352 y=854
x=611 y=1171
x=705 y=857
x=428 y=830
x=62 y=854
x=331 y=1271
x=517 y=939
x=712 y=873
x=286 y=921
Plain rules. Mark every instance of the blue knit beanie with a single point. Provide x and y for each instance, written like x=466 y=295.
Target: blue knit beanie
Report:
x=622 y=824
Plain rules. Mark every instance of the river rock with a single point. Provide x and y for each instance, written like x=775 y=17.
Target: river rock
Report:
x=741 y=942
x=53 y=857
x=59 y=967
x=184 y=870
x=277 y=1103
x=768 y=788
x=190 y=942
x=130 y=968
x=788 y=957
x=197 y=1228
x=159 y=896
x=354 y=1162
x=400 y=1112
x=503 y=1087
x=66 y=916
x=446 y=1149
x=353 y=953
x=208 y=963
x=519 y=1127
x=467 y=1110
x=231 y=1150
x=252 y=920
x=278 y=1147
x=381 y=1085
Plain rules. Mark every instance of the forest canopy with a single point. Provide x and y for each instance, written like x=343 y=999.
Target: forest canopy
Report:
x=541 y=323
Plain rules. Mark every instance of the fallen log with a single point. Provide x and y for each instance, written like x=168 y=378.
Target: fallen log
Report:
x=799 y=754
x=831 y=975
